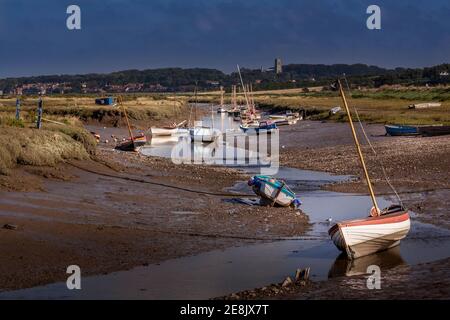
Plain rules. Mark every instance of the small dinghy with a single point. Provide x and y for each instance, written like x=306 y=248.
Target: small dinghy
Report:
x=237 y=116
x=277 y=116
x=285 y=122
x=425 y=105
x=289 y=115
x=382 y=230
x=257 y=127
x=163 y=131
x=395 y=130
x=431 y=131
x=204 y=134
x=273 y=191
x=174 y=129
x=335 y=110
x=358 y=238
x=132 y=144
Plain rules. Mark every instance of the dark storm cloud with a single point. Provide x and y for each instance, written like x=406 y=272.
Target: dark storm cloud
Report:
x=124 y=34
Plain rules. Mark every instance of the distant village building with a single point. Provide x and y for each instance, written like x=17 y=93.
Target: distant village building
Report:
x=278 y=66
x=213 y=83
x=444 y=74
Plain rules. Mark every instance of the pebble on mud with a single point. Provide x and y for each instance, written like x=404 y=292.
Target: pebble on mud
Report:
x=10 y=226
x=287 y=282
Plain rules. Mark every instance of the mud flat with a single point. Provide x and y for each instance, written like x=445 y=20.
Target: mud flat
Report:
x=97 y=218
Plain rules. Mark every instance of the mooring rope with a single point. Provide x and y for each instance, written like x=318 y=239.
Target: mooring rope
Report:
x=217 y=194
x=196 y=234
x=226 y=236
x=380 y=161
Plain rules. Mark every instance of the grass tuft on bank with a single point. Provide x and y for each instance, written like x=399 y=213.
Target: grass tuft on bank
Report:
x=21 y=144
x=26 y=146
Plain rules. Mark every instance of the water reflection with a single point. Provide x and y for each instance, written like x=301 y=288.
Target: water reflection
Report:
x=161 y=141
x=233 y=149
x=385 y=260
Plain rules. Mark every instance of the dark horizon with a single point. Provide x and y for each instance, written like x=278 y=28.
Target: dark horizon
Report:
x=121 y=35
x=226 y=73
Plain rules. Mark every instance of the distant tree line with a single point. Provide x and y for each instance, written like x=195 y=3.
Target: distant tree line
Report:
x=293 y=76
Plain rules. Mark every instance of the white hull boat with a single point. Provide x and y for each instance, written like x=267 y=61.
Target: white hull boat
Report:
x=175 y=129
x=358 y=238
x=164 y=140
x=285 y=119
x=277 y=117
x=382 y=230
x=163 y=131
x=204 y=134
x=285 y=122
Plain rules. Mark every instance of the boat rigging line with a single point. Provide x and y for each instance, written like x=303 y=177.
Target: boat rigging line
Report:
x=217 y=194
x=377 y=157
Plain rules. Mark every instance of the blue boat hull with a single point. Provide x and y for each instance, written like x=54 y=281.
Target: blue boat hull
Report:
x=401 y=130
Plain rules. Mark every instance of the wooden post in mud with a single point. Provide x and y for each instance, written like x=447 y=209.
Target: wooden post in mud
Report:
x=17 y=109
x=39 y=115
x=358 y=148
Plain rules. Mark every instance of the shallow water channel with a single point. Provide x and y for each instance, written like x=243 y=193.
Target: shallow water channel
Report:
x=222 y=272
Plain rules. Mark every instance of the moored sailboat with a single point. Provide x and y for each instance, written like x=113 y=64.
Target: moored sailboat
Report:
x=133 y=142
x=200 y=133
x=221 y=109
x=382 y=230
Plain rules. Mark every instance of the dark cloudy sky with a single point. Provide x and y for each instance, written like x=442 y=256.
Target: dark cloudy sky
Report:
x=127 y=34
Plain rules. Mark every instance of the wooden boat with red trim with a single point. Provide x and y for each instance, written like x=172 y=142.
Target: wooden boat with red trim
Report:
x=358 y=238
x=382 y=230
x=132 y=144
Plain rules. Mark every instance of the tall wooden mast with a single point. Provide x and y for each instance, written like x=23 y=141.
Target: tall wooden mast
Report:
x=119 y=100
x=358 y=148
x=234 y=97
x=221 y=97
x=243 y=88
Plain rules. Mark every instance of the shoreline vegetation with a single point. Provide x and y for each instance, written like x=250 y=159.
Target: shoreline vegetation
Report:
x=140 y=108
x=22 y=144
